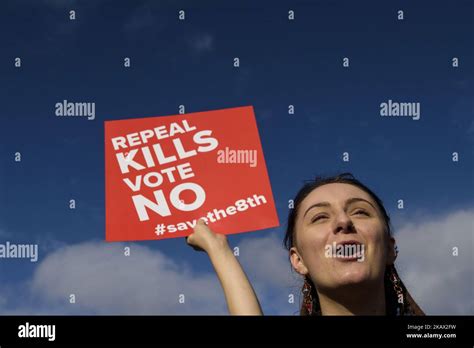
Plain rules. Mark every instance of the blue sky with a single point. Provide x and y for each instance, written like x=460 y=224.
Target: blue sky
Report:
x=191 y=62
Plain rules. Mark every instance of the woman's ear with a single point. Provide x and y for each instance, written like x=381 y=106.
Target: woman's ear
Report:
x=391 y=252
x=297 y=262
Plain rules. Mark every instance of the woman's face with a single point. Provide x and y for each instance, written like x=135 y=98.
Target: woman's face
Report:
x=334 y=221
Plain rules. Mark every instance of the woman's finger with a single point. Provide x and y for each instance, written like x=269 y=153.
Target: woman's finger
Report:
x=195 y=247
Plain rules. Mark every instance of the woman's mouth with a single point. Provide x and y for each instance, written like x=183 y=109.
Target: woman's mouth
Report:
x=350 y=250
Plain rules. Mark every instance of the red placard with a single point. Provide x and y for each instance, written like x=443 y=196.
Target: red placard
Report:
x=164 y=173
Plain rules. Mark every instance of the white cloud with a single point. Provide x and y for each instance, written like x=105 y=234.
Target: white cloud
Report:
x=105 y=281
x=266 y=263
x=266 y=260
x=440 y=282
x=147 y=282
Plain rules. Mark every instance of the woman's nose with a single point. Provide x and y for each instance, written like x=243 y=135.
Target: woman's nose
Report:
x=344 y=224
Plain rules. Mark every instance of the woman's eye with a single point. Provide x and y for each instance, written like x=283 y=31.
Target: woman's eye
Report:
x=317 y=218
x=362 y=211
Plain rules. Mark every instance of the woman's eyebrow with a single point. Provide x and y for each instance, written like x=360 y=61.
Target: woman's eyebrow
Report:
x=327 y=204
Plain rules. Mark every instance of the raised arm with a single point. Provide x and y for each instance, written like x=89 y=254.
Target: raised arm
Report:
x=240 y=296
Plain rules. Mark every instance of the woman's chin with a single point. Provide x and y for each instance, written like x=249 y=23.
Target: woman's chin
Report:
x=353 y=276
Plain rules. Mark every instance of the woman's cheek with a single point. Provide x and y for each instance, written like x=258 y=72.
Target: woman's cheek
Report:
x=314 y=249
x=376 y=252
x=321 y=260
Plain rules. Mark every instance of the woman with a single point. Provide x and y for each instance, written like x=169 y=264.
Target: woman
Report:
x=339 y=240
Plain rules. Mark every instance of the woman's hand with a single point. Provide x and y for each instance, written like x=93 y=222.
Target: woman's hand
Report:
x=204 y=239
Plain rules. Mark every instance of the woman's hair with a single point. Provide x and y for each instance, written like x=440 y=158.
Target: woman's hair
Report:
x=392 y=281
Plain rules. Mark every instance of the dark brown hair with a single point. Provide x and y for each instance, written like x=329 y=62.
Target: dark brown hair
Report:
x=391 y=297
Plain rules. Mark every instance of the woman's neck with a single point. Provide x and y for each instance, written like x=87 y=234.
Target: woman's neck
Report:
x=354 y=300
